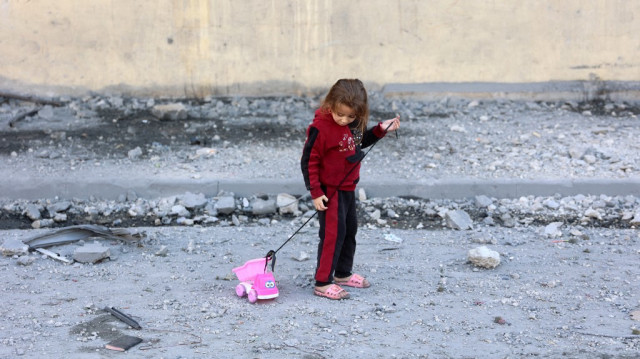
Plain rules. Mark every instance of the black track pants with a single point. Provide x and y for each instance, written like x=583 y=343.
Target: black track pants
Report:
x=338 y=228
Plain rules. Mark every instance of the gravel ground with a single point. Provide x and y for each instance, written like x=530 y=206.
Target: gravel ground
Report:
x=566 y=286
x=546 y=299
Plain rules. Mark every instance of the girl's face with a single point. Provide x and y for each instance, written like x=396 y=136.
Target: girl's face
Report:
x=343 y=114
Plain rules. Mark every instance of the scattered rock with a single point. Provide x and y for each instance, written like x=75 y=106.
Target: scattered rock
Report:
x=226 y=204
x=42 y=223
x=303 y=256
x=287 y=204
x=483 y=201
x=484 y=257
x=171 y=112
x=135 y=153
x=57 y=207
x=91 y=253
x=180 y=211
x=26 y=260
x=458 y=219
x=13 y=246
x=33 y=212
x=162 y=252
x=193 y=201
x=552 y=230
x=263 y=207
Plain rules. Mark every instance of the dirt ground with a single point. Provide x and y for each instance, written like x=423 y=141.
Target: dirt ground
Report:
x=548 y=299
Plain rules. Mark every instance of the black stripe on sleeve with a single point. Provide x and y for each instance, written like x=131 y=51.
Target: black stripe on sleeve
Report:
x=306 y=155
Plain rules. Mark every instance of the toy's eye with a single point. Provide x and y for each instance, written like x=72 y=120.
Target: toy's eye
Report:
x=270 y=284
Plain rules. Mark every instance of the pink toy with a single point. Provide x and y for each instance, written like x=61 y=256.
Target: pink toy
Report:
x=255 y=282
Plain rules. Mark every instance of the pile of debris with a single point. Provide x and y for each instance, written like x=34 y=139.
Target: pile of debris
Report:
x=226 y=209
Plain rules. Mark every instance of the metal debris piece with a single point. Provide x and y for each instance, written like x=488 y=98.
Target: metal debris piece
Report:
x=80 y=232
x=123 y=317
x=53 y=255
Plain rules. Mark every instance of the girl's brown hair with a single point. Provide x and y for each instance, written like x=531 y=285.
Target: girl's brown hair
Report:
x=349 y=92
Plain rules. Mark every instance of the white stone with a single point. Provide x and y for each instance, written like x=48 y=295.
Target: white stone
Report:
x=287 y=203
x=552 y=230
x=484 y=257
x=362 y=195
x=592 y=213
x=180 y=211
x=13 y=246
x=303 y=256
x=162 y=252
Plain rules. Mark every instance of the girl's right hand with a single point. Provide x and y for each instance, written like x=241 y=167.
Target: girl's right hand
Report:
x=392 y=124
x=318 y=203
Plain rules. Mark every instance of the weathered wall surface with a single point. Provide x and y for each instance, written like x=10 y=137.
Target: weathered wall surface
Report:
x=219 y=47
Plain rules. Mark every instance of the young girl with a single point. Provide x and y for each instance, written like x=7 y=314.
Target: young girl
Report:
x=331 y=169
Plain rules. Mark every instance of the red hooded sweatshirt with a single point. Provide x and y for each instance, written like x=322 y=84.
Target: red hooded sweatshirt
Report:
x=331 y=156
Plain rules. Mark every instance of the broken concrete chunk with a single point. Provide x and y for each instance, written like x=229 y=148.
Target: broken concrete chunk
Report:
x=42 y=223
x=261 y=206
x=484 y=257
x=226 y=205
x=61 y=206
x=162 y=252
x=552 y=230
x=193 y=200
x=172 y=111
x=287 y=203
x=14 y=246
x=91 y=253
x=32 y=211
x=180 y=211
x=458 y=219
x=483 y=201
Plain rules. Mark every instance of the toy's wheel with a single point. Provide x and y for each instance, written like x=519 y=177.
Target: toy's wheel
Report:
x=240 y=290
x=253 y=296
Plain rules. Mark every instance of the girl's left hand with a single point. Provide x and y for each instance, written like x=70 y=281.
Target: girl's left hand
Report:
x=392 y=124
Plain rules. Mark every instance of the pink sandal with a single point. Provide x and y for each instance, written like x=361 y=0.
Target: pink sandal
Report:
x=356 y=281
x=332 y=292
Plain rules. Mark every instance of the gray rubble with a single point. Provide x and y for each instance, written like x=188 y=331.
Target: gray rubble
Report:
x=561 y=216
x=91 y=253
x=11 y=247
x=565 y=286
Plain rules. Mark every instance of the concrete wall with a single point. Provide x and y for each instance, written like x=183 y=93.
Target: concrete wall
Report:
x=219 y=47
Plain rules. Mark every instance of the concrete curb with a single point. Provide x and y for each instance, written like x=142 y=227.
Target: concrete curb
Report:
x=534 y=91
x=112 y=188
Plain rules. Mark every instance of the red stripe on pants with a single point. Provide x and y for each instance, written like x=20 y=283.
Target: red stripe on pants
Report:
x=338 y=228
x=327 y=247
